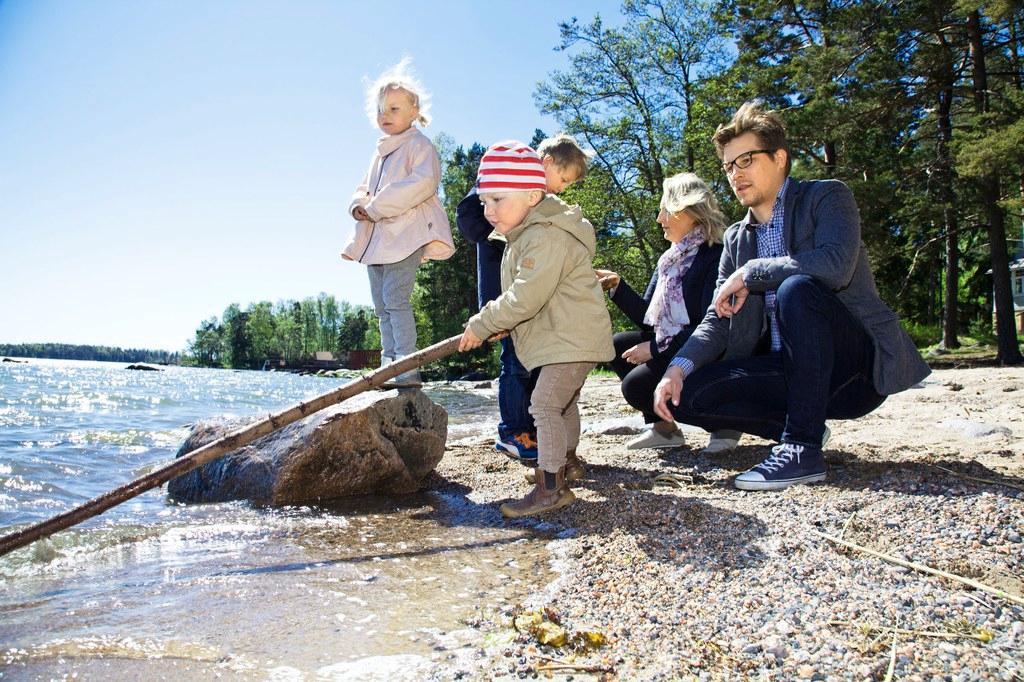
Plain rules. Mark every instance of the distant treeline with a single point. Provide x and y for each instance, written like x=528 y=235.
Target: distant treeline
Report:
x=289 y=330
x=294 y=331
x=66 y=351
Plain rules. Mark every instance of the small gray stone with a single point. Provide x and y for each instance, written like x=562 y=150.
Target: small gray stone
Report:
x=620 y=430
x=972 y=429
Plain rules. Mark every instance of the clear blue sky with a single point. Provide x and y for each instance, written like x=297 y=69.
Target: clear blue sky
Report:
x=162 y=159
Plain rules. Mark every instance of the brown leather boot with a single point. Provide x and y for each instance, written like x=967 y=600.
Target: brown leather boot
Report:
x=574 y=469
x=549 y=493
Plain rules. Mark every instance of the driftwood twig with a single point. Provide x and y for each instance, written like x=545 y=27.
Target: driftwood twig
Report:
x=553 y=664
x=892 y=652
x=868 y=627
x=980 y=480
x=922 y=568
x=847 y=524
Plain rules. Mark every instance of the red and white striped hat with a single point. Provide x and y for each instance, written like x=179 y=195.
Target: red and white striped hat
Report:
x=510 y=166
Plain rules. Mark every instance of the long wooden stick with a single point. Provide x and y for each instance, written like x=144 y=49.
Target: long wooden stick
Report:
x=922 y=568
x=234 y=440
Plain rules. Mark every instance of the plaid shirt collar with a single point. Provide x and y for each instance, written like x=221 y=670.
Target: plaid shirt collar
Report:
x=778 y=211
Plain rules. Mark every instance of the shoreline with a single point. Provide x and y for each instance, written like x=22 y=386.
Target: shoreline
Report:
x=704 y=581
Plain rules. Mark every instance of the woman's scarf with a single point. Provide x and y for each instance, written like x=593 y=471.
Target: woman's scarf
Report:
x=667 y=311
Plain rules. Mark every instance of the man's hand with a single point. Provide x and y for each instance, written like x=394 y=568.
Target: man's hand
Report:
x=669 y=388
x=732 y=295
x=608 y=279
x=359 y=213
x=639 y=353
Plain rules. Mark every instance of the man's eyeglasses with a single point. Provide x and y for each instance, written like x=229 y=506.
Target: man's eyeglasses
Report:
x=744 y=160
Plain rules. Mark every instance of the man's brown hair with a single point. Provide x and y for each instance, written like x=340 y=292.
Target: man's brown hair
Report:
x=752 y=118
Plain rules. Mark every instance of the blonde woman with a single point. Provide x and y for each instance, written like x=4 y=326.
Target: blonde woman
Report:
x=676 y=299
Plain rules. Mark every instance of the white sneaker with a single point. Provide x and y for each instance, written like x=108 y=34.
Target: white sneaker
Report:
x=716 y=445
x=410 y=379
x=653 y=439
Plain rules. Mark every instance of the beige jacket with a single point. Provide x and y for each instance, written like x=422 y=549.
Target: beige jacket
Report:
x=552 y=302
x=399 y=193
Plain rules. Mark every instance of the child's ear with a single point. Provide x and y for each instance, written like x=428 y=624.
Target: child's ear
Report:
x=536 y=196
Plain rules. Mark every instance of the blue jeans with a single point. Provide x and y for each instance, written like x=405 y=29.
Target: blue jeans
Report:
x=515 y=387
x=823 y=371
x=515 y=383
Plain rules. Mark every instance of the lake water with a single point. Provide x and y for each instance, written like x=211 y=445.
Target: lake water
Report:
x=371 y=589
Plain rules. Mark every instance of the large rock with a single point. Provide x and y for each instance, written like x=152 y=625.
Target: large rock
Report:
x=381 y=443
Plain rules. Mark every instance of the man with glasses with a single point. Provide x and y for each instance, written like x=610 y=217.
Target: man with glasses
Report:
x=796 y=333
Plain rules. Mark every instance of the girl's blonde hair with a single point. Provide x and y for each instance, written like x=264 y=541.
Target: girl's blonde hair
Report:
x=687 y=192
x=398 y=77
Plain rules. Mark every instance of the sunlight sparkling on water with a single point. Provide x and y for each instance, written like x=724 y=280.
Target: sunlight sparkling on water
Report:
x=151 y=588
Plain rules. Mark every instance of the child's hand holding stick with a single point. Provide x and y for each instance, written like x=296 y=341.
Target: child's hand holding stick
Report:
x=470 y=340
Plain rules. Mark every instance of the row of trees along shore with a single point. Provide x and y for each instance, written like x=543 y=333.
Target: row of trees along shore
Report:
x=917 y=105
x=67 y=351
x=288 y=330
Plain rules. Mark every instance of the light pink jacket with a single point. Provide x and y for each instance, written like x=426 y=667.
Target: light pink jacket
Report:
x=400 y=195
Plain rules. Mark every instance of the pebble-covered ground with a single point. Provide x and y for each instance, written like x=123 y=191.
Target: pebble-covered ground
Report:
x=698 y=580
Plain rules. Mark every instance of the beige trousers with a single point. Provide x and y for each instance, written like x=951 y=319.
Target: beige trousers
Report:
x=553 y=405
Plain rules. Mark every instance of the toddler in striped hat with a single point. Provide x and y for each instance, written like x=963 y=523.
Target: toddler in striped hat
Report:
x=551 y=304
x=514 y=171
x=564 y=164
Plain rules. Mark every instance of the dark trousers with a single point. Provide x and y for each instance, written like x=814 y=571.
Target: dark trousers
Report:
x=639 y=381
x=823 y=371
x=515 y=383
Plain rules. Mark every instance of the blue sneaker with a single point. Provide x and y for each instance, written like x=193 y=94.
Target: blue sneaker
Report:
x=788 y=465
x=521 y=447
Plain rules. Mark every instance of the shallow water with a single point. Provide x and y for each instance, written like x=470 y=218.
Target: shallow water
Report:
x=374 y=588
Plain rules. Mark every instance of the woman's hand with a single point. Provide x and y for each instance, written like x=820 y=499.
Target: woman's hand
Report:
x=359 y=213
x=639 y=353
x=608 y=279
x=669 y=388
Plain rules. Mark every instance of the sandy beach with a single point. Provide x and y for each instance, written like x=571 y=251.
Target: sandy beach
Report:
x=693 y=579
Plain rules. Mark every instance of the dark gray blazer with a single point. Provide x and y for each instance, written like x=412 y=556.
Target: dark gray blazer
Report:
x=822 y=234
